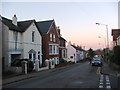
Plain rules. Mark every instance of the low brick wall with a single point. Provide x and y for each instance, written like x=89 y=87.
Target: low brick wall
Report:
x=17 y=70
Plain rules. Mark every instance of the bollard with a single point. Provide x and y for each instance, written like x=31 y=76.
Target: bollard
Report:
x=24 y=67
x=37 y=65
x=47 y=63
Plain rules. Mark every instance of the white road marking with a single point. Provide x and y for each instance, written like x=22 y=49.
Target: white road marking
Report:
x=100 y=86
x=108 y=87
x=107 y=82
x=101 y=82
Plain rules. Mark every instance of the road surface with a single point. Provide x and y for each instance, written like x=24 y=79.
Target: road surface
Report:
x=79 y=75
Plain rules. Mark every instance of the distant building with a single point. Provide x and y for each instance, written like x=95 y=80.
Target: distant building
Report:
x=75 y=53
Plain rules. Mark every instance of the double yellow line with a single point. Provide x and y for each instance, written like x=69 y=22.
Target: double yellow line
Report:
x=98 y=70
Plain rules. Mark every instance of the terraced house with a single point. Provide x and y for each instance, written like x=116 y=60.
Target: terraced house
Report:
x=50 y=40
x=20 y=40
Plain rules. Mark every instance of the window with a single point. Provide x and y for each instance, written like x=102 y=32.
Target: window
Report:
x=34 y=56
x=50 y=48
x=53 y=48
x=33 y=36
x=71 y=57
x=50 y=37
x=39 y=55
x=57 y=49
x=30 y=56
x=54 y=38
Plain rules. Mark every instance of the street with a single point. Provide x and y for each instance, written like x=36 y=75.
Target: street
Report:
x=80 y=75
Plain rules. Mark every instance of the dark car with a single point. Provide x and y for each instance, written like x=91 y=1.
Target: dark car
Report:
x=18 y=63
x=97 y=61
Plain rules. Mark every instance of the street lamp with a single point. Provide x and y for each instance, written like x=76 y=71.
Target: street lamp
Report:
x=107 y=33
x=104 y=39
x=107 y=38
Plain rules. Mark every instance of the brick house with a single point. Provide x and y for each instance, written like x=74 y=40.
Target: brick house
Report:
x=50 y=40
x=62 y=46
x=116 y=34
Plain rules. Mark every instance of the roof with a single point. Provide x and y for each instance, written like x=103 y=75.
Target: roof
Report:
x=44 y=26
x=77 y=48
x=115 y=34
x=62 y=38
x=9 y=23
x=23 y=25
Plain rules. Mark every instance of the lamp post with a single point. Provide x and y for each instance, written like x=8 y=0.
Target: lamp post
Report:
x=107 y=33
x=104 y=39
x=107 y=39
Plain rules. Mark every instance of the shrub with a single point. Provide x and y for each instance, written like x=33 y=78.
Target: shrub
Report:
x=116 y=51
x=18 y=63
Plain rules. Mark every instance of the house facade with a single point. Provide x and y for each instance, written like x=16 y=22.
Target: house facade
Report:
x=31 y=40
x=62 y=46
x=75 y=53
x=118 y=40
x=21 y=40
x=116 y=36
x=50 y=40
x=71 y=53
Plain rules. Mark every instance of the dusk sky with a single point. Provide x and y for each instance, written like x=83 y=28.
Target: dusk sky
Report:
x=75 y=19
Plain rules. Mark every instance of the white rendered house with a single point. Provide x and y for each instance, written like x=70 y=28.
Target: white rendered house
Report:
x=21 y=40
x=71 y=53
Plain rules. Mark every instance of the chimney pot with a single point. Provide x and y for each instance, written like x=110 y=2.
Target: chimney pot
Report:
x=14 y=20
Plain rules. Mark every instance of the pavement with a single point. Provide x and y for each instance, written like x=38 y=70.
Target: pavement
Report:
x=106 y=69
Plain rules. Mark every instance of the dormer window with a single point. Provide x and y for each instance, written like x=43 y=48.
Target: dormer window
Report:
x=33 y=36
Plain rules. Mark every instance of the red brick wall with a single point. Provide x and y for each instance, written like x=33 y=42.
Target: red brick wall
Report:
x=46 y=41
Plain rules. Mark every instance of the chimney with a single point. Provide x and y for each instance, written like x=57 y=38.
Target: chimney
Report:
x=14 y=20
x=58 y=30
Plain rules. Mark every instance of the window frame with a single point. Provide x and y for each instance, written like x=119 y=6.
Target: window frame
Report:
x=33 y=36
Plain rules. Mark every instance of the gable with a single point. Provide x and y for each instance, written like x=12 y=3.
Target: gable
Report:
x=25 y=24
x=52 y=28
x=44 y=26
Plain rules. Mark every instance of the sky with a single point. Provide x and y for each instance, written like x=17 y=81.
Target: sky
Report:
x=75 y=19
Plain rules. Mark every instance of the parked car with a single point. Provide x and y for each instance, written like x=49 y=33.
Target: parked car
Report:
x=18 y=63
x=97 y=61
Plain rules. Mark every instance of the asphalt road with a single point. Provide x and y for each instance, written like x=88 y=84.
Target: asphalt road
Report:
x=80 y=75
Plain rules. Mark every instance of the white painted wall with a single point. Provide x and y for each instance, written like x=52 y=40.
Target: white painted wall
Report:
x=0 y=51
x=5 y=44
x=118 y=40
x=71 y=51
x=28 y=44
x=82 y=55
x=12 y=40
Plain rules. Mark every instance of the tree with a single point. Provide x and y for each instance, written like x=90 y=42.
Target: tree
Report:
x=91 y=53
